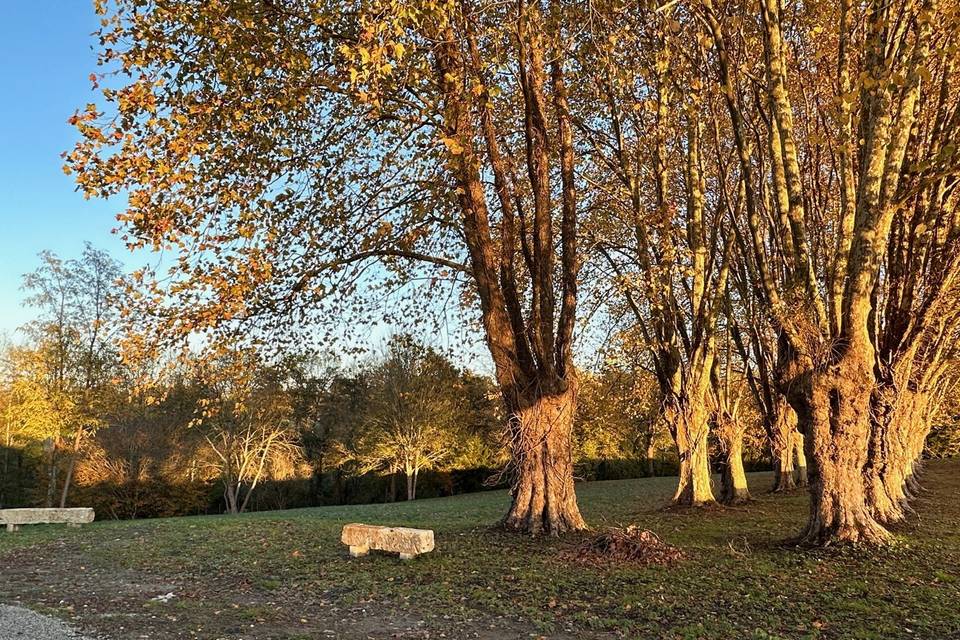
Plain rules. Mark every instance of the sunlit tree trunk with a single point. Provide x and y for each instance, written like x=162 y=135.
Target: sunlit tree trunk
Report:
x=690 y=425
x=230 y=490
x=733 y=483
x=71 y=466
x=800 y=459
x=902 y=420
x=651 y=458
x=411 y=472
x=411 y=488
x=532 y=352
x=543 y=495
x=781 y=431
x=837 y=408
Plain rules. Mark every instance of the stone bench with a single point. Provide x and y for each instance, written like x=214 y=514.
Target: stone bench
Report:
x=407 y=542
x=14 y=518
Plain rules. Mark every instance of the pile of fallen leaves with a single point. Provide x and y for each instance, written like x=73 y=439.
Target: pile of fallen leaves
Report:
x=629 y=544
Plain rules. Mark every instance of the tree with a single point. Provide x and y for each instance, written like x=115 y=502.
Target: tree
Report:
x=619 y=409
x=730 y=425
x=74 y=332
x=327 y=404
x=246 y=418
x=412 y=416
x=663 y=233
x=817 y=242
x=325 y=167
x=944 y=441
x=758 y=348
x=340 y=135
x=29 y=413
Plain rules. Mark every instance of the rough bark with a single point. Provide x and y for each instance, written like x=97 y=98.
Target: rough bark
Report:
x=544 y=501
x=800 y=459
x=901 y=420
x=690 y=425
x=834 y=403
x=783 y=426
x=733 y=485
x=532 y=352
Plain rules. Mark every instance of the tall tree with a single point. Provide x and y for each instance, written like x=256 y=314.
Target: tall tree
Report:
x=662 y=230
x=835 y=169
x=414 y=416
x=758 y=348
x=75 y=329
x=281 y=151
x=245 y=414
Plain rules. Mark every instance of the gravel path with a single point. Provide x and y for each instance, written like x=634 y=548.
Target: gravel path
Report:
x=17 y=623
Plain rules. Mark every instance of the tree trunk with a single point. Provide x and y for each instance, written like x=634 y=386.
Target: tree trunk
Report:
x=733 y=486
x=783 y=426
x=544 y=499
x=835 y=405
x=651 y=459
x=6 y=465
x=256 y=478
x=901 y=418
x=800 y=459
x=411 y=484
x=50 y=446
x=230 y=497
x=71 y=466
x=231 y=493
x=690 y=426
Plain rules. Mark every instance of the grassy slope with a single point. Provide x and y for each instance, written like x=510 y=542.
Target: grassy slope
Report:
x=284 y=574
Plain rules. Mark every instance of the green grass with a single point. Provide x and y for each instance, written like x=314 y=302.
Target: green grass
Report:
x=285 y=574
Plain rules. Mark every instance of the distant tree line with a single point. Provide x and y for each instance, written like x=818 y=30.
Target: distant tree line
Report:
x=86 y=419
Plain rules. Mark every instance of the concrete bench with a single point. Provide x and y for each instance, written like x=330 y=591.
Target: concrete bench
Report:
x=14 y=518
x=407 y=542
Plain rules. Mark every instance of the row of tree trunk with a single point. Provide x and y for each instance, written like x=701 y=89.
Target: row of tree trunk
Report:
x=725 y=160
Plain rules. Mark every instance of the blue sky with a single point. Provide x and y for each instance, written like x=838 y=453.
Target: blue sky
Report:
x=46 y=57
x=45 y=61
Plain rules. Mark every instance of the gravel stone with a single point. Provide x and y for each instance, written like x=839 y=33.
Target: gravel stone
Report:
x=17 y=623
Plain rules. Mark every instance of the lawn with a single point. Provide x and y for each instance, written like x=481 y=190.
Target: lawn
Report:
x=286 y=575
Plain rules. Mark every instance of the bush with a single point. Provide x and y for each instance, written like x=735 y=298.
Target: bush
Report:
x=148 y=499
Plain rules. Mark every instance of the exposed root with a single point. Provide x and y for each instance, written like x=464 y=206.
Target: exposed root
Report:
x=863 y=532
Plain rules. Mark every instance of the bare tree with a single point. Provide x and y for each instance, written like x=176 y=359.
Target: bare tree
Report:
x=246 y=419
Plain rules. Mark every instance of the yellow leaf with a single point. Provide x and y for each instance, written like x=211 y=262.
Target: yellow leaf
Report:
x=453 y=146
